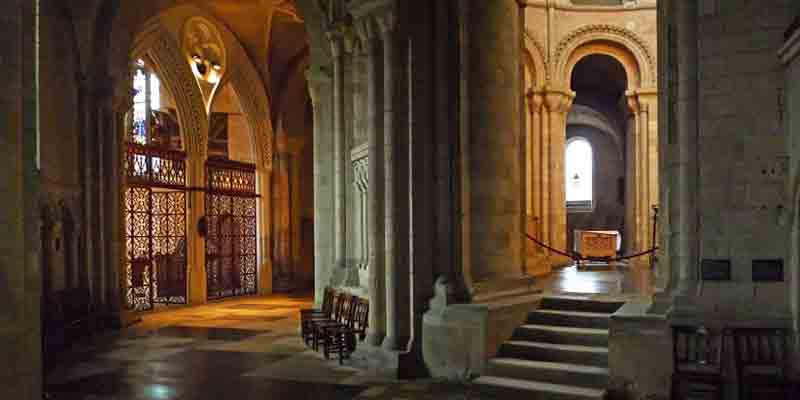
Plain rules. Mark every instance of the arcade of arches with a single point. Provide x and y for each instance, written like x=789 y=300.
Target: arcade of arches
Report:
x=163 y=155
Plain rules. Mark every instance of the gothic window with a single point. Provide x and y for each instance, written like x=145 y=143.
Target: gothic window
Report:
x=579 y=175
x=150 y=124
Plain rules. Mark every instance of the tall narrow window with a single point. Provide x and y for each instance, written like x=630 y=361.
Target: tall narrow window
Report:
x=579 y=175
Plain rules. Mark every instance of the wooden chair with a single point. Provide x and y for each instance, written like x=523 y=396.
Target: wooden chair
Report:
x=311 y=318
x=307 y=314
x=761 y=363
x=697 y=357
x=341 y=339
x=342 y=316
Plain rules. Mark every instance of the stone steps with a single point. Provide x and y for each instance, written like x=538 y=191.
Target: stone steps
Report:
x=550 y=372
x=580 y=304
x=561 y=353
x=566 y=353
x=493 y=387
x=562 y=335
x=577 y=319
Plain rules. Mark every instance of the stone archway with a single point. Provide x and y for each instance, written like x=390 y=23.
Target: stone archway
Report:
x=551 y=101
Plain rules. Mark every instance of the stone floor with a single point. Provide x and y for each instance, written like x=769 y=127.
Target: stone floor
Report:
x=622 y=280
x=250 y=348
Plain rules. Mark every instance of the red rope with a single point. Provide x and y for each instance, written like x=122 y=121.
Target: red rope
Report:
x=580 y=257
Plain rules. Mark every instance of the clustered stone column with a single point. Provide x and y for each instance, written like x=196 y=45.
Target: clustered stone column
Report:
x=558 y=103
x=377 y=316
x=340 y=151
x=641 y=185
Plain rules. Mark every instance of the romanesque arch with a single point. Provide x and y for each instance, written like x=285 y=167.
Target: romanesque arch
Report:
x=534 y=60
x=617 y=42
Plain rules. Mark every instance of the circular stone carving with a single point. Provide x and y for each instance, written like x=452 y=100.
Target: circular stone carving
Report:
x=204 y=50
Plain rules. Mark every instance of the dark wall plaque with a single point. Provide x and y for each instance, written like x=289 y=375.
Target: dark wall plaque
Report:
x=768 y=270
x=715 y=270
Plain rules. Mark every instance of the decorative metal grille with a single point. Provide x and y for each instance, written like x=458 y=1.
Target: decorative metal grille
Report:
x=231 y=252
x=151 y=166
x=156 y=243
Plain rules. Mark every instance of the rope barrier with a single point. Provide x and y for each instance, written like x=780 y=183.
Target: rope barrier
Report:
x=580 y=257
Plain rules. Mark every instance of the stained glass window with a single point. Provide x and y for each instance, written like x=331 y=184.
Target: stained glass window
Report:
x=579 y=173
x=146 y=100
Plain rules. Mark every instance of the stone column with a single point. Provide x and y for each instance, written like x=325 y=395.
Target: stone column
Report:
x=535 y=156
x=685 y=231
x=396 y=274
x=196 y=244
x=631 y=169
x=319 y=92
x=493 y=207
x=375 y=212
x=633 y=173
x=544 y=173
x=644 y=176
x=341 y=155
x=649 y=102
x=20 y=269
x=558 y=103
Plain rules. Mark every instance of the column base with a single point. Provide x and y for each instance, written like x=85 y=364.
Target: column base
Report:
x=395 y=343
x=375 y=339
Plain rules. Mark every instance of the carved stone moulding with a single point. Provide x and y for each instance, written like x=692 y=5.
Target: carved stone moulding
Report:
x=204 y=50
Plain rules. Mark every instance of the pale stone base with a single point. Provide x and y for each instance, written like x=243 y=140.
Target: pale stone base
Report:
x=639 y=353
x=458 y=339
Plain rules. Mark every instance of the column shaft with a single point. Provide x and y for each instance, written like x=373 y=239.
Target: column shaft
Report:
x=377 y=312
x=494 y=207
x=631 y=199
x=340 y=156
x=687 y=116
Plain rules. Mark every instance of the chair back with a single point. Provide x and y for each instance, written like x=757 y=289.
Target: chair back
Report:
x=327 y=300
x=760 y=347
x=361 y=316
x=693 y=347
x=342 y=306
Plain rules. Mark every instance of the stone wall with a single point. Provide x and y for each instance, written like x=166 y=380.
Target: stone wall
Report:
x=20 y=273
x=742 y=155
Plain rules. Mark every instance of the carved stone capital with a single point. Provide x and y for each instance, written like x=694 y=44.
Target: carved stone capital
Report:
x=386 y=21
x=558 y=100
x=336 y=40
x=633 y=103
x=367 y=30
x=535 y=100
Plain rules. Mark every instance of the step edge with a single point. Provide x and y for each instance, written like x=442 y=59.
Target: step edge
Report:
x=521 y=384
x=582 y=368
x=556 y=346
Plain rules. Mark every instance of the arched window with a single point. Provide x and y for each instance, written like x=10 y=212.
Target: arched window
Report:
x=579 y=174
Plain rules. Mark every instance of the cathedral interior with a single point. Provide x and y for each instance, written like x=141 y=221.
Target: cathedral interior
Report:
x=400 y=199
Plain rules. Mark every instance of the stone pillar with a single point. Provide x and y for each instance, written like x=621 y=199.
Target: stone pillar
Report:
x=319 y=92
x=20 y=269
x=685 y=230
x=395 y=267
x=196 y=244
x=375 y=212
x=536 y=163
x=644 y=176
x=649 y=105
x=558 y=103
x=341 y=155
x=493 y=206
x=544 y=173
x=631 y=198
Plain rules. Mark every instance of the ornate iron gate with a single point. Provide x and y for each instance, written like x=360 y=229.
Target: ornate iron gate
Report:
x=155 y=221
x=231 y=252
